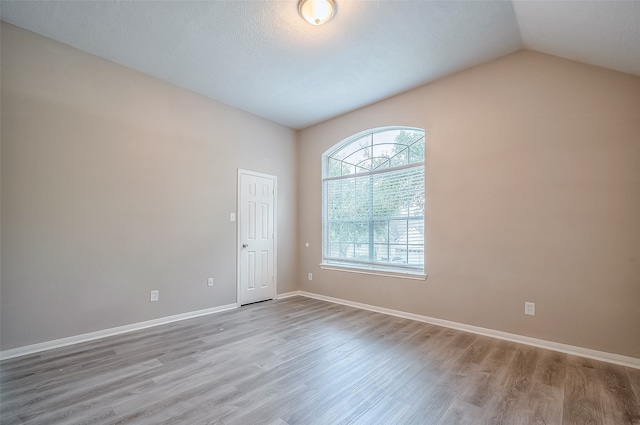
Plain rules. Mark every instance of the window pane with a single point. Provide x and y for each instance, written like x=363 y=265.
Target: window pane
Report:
x=334 y=167
x=361 y=230
x=387 y=136
x=397 y=229
x=381 y=253
x=400 y=156
x=416 y=232
x=362 y=252
x=364 y=166
x=334 y=250
x=381 y=231
x=340 y=198
x=360 y=198
x=381 y=154
x=416 y=151
x=398 y=193
x=416 y=254
x=357 y=153
x=347 y=169
x=348 y=249
x=398 y=254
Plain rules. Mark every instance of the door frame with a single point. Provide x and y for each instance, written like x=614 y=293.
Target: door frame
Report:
x=274 y=179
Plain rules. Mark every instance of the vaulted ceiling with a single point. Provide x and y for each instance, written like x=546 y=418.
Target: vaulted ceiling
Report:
x=261 y=57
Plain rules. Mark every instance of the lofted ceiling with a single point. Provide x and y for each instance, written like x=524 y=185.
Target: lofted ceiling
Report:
x=261 y=57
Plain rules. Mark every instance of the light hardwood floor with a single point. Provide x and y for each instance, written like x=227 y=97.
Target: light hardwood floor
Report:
x=303 y=361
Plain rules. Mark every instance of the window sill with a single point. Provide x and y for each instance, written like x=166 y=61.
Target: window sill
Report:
x=376 y=272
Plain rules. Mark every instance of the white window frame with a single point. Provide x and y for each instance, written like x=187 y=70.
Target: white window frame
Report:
x=367 y=267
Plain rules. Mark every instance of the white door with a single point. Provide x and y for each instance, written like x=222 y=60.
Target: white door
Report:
x=256 y=237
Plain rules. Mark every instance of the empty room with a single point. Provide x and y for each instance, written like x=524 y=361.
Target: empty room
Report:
x=320 y=212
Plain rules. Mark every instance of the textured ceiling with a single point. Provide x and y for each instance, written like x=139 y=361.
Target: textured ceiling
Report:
x=604 y=33
x=260 y=56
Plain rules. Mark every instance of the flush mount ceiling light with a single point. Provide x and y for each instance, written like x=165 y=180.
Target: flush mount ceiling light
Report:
x=317 y=12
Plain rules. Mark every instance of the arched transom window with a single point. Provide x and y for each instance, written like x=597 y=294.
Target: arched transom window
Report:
x=374 y=201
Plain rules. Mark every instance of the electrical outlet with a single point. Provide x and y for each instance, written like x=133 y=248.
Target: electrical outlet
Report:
x=530 y=309
x=310 y=276
x=210 y=282
x=154 y=295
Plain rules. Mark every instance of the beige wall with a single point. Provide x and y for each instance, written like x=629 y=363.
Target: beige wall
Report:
x=115 y=183
x=533 y=194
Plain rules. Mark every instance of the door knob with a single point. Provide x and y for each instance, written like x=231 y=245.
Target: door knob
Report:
x=244 y=245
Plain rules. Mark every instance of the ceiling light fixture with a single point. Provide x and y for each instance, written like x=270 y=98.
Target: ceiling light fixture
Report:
x=317 y=12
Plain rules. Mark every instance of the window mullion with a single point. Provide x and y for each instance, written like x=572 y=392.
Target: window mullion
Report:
x=371 y=250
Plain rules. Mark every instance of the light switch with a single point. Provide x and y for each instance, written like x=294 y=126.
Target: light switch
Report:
x=232 y=217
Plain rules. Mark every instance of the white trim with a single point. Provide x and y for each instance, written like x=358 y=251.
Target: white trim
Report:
x=77 y=339
x=275 y=229
x=549 y=345
x=288 y=295
x=372 y=271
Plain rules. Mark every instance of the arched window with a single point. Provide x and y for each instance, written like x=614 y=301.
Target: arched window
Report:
x=374 y=201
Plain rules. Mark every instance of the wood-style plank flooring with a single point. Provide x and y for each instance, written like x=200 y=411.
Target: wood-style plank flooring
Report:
x=304 y=361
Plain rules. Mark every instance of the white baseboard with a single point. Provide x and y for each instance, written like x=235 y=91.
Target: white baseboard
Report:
x=549 y=345
x=77 y=339
x=288 y=295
